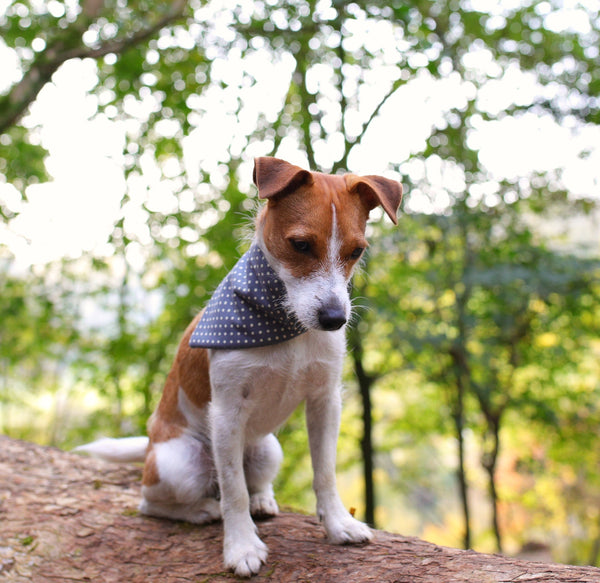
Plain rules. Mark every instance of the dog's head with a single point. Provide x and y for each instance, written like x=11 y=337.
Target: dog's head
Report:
x=312 y=231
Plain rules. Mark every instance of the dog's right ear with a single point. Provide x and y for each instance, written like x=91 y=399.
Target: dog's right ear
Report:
x=275 y=177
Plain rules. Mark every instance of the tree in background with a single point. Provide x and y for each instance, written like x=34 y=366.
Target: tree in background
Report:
x=467 y=300
x=168 y=240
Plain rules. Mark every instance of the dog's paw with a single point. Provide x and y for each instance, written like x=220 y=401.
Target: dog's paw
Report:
x=263 y=504
x=245 y=556
x=348 y=530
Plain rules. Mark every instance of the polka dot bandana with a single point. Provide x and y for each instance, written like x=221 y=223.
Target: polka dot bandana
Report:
x=247 y=309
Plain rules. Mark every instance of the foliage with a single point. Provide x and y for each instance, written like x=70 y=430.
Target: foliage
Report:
x=481 y=331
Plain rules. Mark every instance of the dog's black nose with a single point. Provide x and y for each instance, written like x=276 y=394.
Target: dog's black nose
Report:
x=332 y=316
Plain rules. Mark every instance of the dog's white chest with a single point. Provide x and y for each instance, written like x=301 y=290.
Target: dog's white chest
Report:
x=269 y=383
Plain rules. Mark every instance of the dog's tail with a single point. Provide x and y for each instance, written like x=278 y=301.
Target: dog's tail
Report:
x=124 y=449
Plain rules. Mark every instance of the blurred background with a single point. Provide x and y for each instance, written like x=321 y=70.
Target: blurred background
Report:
x=127 y=134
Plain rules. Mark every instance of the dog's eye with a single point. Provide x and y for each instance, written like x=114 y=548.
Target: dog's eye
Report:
x=357 y=253
x=301 y=246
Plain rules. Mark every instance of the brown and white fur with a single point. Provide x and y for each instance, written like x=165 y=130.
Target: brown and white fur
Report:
x=211 y=452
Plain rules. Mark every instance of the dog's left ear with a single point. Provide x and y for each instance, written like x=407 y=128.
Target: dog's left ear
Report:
x=275 y=177
x=377 y=190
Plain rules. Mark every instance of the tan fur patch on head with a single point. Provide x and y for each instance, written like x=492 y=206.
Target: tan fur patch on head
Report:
x=307 y=215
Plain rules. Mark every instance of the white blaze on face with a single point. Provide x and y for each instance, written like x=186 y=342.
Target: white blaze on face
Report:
x=335 y=243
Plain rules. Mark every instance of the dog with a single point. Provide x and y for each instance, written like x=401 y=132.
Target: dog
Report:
x=271 y=337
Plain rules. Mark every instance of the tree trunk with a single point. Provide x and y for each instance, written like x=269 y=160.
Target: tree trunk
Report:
x=463 y=486
x=458 y=416
x=364 y=383
x=489 y=462
x=458 y=353
x=69 y=518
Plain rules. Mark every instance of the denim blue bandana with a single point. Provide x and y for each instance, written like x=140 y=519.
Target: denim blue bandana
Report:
x=247 y=309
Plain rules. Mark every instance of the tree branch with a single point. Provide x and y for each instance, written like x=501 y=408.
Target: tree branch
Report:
x=350 y=144
x=395 y=86
x=66 y=518
x=119 y=46
x=23 y=94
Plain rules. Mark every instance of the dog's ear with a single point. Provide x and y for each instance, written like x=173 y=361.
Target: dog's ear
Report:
x=275 y=177
x=377 y=190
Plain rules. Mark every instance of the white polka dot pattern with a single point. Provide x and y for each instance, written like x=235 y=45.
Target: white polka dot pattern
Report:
x=247 y=310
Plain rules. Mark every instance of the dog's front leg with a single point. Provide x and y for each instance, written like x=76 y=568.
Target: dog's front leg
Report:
x=323 y=413
x=243 y=551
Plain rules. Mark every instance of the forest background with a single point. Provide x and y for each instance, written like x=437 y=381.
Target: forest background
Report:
x=127 y=133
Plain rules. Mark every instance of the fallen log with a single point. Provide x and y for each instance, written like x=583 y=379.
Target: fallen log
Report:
x=68 y=518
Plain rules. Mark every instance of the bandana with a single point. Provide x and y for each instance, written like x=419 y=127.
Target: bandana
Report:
x=247 y=309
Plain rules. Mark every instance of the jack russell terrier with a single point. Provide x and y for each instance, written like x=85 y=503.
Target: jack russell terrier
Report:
x=271 y=337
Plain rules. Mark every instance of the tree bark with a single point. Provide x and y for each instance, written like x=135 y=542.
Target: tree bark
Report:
x=68 y=518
